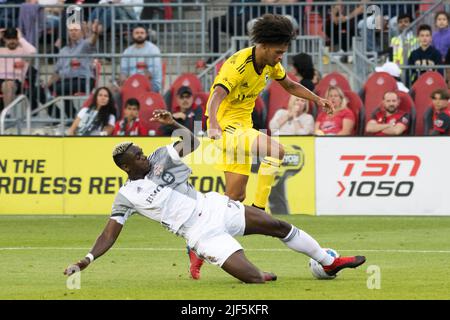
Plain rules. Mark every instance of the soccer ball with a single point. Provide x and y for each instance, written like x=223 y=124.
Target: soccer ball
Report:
x=316 y=268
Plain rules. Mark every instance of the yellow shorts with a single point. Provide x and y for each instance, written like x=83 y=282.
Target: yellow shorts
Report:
x=235 y=149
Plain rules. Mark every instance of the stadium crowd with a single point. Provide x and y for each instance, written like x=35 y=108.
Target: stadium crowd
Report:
x=385 y=106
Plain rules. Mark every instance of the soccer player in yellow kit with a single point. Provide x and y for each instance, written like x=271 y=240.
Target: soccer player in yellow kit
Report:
x=232 y=99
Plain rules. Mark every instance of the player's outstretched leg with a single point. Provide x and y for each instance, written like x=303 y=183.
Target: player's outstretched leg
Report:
x=272 y=153
x=241 y=268
x=258 y=222
x=195 y=263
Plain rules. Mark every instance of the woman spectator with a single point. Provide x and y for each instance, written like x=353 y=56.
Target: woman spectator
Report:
x=98 y=119
x=341 y=122
x=294 y=121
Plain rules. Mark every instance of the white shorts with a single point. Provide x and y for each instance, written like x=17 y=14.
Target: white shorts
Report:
x=210 y=232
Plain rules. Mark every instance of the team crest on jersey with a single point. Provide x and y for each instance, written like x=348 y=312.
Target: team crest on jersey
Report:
x=266 y=78
x=168 y=177
x=438 y=123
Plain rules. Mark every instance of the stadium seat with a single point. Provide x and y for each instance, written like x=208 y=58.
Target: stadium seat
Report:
x=374 y=88
x=277 y=98
x=407 y=105
x=332 y=79
x=135 y=86
x=421 y=91
x=356 y=105
x=149 y=102
x=186 y=79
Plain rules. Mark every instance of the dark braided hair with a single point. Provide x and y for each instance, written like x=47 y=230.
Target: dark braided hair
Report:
x=272 y=29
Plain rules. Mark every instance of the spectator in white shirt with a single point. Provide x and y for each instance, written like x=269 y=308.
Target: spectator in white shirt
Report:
x=295 y=120
x=98 y=119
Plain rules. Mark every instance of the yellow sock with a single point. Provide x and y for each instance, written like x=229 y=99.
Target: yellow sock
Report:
x=266 y=176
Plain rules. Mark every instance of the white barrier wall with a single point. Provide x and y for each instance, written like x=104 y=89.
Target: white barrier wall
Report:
x=376 y=176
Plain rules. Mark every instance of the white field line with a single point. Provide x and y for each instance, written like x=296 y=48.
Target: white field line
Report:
x=261 y=249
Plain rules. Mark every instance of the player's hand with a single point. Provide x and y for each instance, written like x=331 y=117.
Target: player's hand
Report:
x=76 y=267
x=326 y=105
x=162 y=116
x=214 y=131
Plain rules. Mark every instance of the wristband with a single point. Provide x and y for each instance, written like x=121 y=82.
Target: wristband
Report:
x=90 y=256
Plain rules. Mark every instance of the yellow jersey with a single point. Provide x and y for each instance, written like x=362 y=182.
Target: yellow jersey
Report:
x=238 y=76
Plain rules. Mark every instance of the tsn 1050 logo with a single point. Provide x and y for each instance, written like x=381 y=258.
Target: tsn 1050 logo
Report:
x=378 y=175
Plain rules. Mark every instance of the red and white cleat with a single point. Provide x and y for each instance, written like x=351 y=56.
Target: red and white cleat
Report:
x=269 y=276
x=342 y=263
x=195 y=263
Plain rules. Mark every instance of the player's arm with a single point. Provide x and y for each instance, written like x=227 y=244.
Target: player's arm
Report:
x=189 y=142
x=300 y=91
x=218 y=95
x=104 y=242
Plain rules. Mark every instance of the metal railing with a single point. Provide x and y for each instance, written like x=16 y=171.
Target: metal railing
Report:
x=197 y=29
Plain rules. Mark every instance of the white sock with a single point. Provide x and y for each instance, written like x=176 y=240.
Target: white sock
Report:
x=298 y=240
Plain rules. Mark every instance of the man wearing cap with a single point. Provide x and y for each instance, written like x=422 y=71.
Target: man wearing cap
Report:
x=394 y=70
x=388 y=120
x=186 y=112
x=74 y=73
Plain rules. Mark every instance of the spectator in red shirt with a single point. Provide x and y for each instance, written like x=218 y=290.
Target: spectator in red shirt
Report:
x=388 y=120
x=341 y=122
x=130 y=124
x=440 y=113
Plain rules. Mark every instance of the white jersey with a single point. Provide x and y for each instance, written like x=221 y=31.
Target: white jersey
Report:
x=164 y=195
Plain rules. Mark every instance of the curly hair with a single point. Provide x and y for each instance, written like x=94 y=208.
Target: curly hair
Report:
x=272 y=29
x=105 y=111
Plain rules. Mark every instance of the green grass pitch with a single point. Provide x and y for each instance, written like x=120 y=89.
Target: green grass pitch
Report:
x=147 y=262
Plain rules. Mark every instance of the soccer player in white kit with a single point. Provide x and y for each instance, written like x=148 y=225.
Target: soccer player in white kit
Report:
x=158 y=188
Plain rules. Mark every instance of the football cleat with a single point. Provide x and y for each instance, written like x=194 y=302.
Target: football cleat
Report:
x=195 y=263
x=269 y=276
x=342 y=263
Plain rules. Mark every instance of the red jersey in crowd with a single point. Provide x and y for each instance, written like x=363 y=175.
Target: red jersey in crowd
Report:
x=333 y=124
x=132 y=128
x=441 y=122
x=401 y=117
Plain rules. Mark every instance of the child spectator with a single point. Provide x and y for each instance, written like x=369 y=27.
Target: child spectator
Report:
x=399 y=44
x=441 y=37
x=295 y=120
x=98 y=119
x=425 y=55
x=341 y=122
x=439 y=117
x=130 y=124
x=388 y=120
